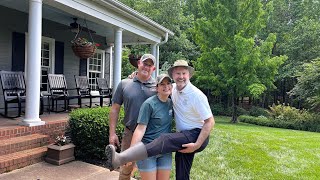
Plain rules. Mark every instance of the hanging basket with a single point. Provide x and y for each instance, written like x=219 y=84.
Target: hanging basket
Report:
x=81 y=46
x=133 y=59
x=84 y=52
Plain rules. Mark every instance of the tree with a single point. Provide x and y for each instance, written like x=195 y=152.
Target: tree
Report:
x=169 y=13
x=308 y=86
x=296 y=24
x=127 y=68
x=234 y=60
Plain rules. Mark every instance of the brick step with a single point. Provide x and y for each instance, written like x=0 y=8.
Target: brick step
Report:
x=51 y=128
x=21 y=159
x=21 y=143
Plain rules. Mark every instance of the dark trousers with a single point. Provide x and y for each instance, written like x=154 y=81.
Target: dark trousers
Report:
x=172 y=142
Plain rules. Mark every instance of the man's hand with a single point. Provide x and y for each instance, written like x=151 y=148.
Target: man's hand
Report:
x=128 y=164
x=114 y=140
x=189 y=148
x=132 y=75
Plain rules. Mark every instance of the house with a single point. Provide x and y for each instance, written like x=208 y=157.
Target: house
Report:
x=36 y=35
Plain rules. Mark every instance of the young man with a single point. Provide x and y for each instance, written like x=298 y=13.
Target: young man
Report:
x=194 y=121
x=132 y=93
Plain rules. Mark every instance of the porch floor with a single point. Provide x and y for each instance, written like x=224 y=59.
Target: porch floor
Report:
x=12 y=123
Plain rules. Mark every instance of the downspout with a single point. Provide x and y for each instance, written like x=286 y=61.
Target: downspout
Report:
x=162 y=42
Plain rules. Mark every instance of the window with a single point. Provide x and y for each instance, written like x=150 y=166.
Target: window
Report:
x=45 y=64
x=47 y=60
x=96 y=68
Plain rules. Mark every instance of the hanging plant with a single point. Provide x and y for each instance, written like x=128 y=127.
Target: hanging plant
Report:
x=82 y=47
x=133 y=59
x=136 y=52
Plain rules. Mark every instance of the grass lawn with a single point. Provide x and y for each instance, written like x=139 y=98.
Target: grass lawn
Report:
x=244 y=151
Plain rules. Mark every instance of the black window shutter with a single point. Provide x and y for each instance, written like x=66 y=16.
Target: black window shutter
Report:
x=18 y=51
x=59 y=55
x=83 y=67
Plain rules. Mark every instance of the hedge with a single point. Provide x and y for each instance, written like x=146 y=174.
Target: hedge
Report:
x=89 y=131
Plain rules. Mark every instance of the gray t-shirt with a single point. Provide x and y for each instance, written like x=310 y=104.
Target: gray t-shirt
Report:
x=132 y=93
x=157 y=116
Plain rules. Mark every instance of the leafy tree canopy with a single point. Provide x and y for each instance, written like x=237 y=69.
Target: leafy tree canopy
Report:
x=234 y=60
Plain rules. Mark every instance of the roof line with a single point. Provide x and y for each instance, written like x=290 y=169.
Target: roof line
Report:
x=138 y=15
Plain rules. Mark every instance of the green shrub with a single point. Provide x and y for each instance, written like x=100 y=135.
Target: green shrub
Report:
x=89 y=131
x=241 y=111
x=261 y=120
x=258 y=111
x=286 y=117
x=217 y=109
x=220 y=109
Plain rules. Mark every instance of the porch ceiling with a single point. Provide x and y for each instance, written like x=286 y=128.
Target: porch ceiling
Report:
x=55 y=10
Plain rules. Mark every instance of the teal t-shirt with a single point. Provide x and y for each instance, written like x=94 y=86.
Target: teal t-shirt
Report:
x=157 y=116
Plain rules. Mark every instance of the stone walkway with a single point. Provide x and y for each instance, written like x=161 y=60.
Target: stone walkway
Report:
x=75 y=170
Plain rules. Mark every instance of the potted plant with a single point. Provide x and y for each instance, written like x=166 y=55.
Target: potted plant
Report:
x=83 y=48
x=61 y=151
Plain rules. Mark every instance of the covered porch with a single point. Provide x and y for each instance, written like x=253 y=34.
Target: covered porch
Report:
x=37 y=39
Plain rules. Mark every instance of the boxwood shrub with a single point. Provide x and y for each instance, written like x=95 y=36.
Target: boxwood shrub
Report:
x=89 y=131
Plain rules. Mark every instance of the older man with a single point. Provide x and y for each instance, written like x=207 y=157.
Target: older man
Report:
x=194 y=121
x=132 y=93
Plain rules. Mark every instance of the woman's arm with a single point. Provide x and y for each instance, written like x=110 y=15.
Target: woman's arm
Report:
x=138 y=134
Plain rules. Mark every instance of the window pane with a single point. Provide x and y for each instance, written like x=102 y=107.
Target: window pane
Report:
x=46 y=46
x=46 y=54
x=45 y=64
x=95 y=68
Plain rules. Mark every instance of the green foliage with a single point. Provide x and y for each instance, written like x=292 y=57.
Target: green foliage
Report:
x=170 y=15
x=296 y=24
x=286 y=117
x=256 y=89
x=126 y=68
x=89 y=130
x=302 y=45
x=221 y=110
x=258 y=111
x=308 y=86
x=234 y=60
x=218 y=109
x=261 y=120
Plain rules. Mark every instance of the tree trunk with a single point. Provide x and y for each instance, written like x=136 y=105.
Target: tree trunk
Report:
x=234 y=107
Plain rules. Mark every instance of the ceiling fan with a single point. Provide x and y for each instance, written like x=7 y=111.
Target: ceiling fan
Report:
x=75 y=27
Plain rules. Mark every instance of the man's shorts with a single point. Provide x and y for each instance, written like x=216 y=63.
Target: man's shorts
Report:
x=159 y=162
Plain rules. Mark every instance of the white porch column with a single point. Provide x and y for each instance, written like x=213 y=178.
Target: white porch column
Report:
x=110 y=49
x=154 y=53
x=33 y=65
x=157 y=68
x=117 y=58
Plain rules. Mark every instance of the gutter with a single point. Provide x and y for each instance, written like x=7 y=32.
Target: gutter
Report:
x=165 y=39
x=158 y=52
x=137 y=15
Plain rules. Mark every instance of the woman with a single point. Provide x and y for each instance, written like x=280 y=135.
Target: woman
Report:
x=155 y=118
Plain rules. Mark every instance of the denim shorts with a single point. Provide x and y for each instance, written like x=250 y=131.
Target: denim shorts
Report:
x=162 y=161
